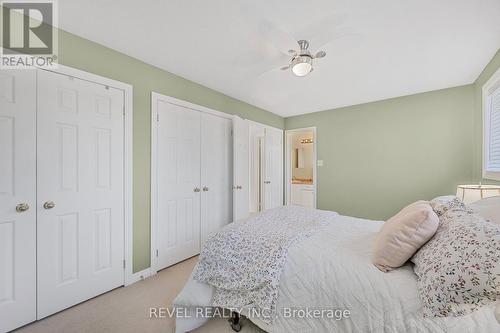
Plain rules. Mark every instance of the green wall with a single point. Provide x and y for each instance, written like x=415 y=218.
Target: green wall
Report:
x=488 y=71
x=383 y=155
x=91 y=57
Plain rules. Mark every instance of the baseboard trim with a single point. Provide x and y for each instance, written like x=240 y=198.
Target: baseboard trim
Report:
x=136 y=277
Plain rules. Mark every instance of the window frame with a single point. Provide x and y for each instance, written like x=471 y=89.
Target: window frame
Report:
x=492 y=85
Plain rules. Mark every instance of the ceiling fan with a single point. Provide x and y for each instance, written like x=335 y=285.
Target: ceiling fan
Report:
x=301 y=63
x=275 y=43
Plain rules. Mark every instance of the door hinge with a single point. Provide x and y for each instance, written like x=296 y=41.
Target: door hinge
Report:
x=124 y=110
x=157 y=117
x=124 y=264
x=157 y=252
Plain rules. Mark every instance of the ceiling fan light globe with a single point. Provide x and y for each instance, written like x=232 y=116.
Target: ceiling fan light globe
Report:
x=302 y=66
x=301 y=69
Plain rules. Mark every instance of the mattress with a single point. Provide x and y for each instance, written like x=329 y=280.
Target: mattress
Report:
x=331 y=273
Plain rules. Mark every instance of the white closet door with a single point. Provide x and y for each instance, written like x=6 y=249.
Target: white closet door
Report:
x=17 y=186
x=272 y=184
x=80 y=173
x=178 y=183
x=256 y=137
x=216 y=174
x=241 y=172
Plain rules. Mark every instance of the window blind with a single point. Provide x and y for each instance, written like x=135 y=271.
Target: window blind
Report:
x=494 y=132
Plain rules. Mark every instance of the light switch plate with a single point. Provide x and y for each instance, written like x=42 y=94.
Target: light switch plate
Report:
x=319 y=163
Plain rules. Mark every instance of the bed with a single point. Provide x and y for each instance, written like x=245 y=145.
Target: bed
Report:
x=331 y=270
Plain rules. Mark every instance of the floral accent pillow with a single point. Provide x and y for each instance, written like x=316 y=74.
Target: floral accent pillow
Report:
x=441 y=205
x=459 y=268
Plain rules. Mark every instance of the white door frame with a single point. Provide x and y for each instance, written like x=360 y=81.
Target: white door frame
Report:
x=155 y=97
x=129 y=276
x=288 y=162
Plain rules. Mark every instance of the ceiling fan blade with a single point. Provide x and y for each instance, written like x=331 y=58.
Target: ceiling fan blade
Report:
x=343 y=43
x=334 y=35
x=264 y=56
x=320 y=54
x=320 y=30
x=273 y=73
x=247 y=60
x=282 y=40
x=269 y=28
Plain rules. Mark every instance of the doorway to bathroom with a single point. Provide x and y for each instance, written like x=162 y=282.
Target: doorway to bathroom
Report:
x=300 y=167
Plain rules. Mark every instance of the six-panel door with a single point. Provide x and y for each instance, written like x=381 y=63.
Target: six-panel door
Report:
x=178 y=183
x=241 y=169
x=17 y=189
x=216 y=174
x=80 y=231
x=272 y=182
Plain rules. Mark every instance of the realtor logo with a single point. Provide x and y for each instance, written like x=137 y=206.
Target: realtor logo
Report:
x=29 y=34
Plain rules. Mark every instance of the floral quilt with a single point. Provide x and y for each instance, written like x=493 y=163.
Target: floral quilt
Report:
x=244 y=261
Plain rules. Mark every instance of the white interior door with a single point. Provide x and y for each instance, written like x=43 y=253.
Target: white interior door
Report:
x=241 y=172
x=256 y=135
x=178 y=183
x=216 y=174
x=272 y=178
x=17 y=186
x=80 y=230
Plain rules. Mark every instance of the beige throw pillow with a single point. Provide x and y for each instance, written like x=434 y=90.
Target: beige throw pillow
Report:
x=403 y=234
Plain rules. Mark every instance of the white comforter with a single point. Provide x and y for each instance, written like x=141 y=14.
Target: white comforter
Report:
x=332 y=270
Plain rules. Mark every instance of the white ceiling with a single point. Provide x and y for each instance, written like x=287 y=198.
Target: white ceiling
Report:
x=380 y=49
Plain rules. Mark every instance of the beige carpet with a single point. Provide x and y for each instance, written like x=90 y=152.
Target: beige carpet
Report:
x=127 y=309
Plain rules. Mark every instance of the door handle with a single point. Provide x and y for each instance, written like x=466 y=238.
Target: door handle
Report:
x=196 y=189
x=205 y=189
x=267 y=182
x=239 y=187
x=49 y=205
x=22 y=207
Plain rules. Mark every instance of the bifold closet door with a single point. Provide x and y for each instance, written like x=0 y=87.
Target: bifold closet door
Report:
x=80 y=227
x=241 y=169
x=216 y=174
x=178 y=183
x=272 y=178
x=17 y=190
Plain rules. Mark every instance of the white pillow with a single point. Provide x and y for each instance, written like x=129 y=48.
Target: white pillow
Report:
x=488 y=208
x=403 y=234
